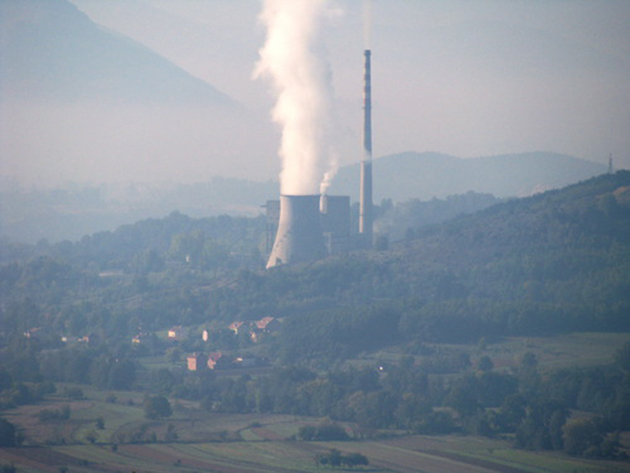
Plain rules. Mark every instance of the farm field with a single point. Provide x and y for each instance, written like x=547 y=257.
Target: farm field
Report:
x=404 y=455
x=560 y=351
x=268 y=449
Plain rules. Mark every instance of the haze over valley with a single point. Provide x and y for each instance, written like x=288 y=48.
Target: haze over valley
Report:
x=314 y=235
x=159 y=91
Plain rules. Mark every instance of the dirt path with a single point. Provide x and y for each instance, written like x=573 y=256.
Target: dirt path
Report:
x=267 y=434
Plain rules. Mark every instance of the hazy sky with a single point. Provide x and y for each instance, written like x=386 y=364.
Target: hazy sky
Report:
x=468 y=78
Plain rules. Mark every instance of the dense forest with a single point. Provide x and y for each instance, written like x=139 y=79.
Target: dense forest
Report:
x=554 y=263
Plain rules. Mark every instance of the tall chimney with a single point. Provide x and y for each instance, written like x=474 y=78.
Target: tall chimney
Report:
x=365 y=211
x=299 y=238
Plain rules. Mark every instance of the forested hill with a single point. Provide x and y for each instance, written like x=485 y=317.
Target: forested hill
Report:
x=556 y=262
x=551 y=263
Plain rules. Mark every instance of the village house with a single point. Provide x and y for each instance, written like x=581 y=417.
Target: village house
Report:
x=236 y=326
x=268 y=324
x=216 y=360
x=177 y=333
x=70 y=339
x=264 y=325
x=142 y=337
x=91 y=339
x=34 y=333
x=246 y=361
x=196 y=362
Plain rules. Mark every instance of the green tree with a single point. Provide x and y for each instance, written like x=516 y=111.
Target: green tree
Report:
x=91 y=436
x=622 y=357
x=171 y=434
x=122 y=374
x=463 y=396
x=580 y=435
x=355 y=459
x=157 y=407
x=8 y=434
x=485 y=364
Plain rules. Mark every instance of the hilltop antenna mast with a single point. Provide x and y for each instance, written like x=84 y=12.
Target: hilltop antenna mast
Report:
x=610 y=164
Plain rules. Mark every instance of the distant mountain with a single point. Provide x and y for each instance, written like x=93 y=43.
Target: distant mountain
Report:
x=51 y=51
x=412 y=175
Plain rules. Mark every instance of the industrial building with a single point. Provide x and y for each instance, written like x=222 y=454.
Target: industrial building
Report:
x=303 y=228
x=307 y=228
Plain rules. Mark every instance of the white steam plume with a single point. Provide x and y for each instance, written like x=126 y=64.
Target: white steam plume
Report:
x=293 y=58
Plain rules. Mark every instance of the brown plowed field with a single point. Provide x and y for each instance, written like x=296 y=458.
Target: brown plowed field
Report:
x=39 y=458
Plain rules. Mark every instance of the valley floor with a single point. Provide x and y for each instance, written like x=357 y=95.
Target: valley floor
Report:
x=264 y=444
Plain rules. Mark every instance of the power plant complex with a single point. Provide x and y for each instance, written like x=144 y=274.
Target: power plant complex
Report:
x=310 y=227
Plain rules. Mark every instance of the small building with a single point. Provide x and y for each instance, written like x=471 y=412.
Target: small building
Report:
x=177 y=333
x=196 y=362
x=91 y=339
x=34 y=333
x=246 y=361
x=268 y=324
x=215 y=360
x=70 y=339
x=236 y=326
x=264 y=325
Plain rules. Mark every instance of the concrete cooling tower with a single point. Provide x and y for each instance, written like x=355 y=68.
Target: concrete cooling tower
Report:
x=299 y=238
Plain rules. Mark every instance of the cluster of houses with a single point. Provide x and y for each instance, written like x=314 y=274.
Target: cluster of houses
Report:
x=218 y=360
x=253 y=329
x=37 y=333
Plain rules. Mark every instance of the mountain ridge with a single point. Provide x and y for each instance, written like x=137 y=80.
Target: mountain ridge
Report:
x=52 y=51
x=26 y=211
x=410 y=174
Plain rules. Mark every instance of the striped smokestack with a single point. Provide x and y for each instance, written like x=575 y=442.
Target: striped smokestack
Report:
x=365 y=212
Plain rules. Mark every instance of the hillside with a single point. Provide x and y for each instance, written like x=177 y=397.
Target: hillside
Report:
x=412 y=175
x=53 y=52
x=556 y=262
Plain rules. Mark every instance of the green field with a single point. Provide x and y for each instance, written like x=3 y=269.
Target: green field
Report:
x=561 y=351
x=256 y=443
x=402 y=454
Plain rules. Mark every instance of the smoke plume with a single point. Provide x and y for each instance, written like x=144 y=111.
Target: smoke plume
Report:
x=293 y=58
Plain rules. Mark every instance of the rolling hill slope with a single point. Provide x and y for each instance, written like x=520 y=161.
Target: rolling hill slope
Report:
x=552 y=263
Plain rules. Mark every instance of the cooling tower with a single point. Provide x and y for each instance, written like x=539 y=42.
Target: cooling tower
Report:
x=365 y=198
x=299 y=238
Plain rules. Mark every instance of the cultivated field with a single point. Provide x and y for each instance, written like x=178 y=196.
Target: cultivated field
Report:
x=255 y=443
